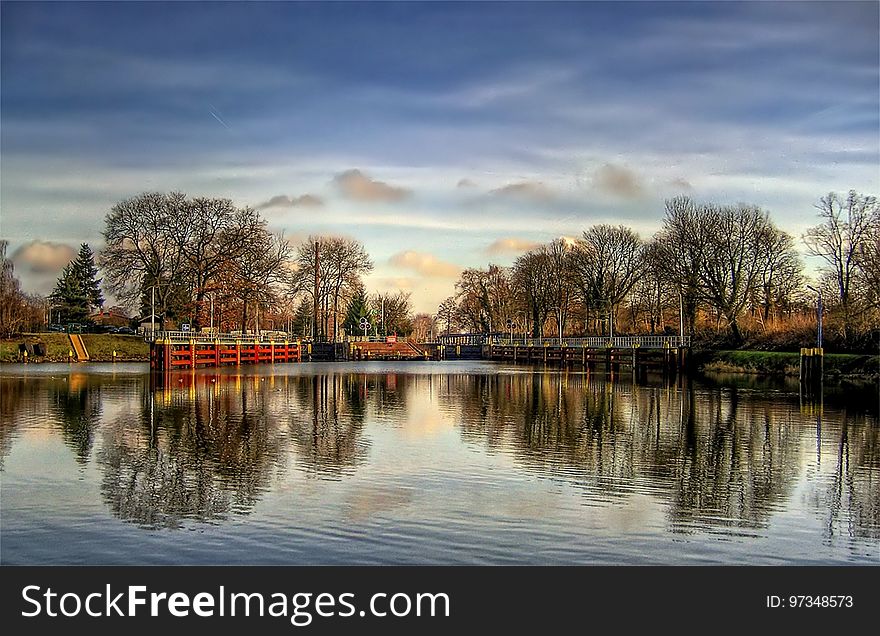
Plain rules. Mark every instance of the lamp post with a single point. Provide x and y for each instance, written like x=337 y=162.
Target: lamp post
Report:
x=559 y=322
x=819 y=309
x=153 y=312
x=681 y=318
x=212 y=313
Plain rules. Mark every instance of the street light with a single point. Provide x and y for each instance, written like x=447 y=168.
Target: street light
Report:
x=559 y=322
x=818 y=315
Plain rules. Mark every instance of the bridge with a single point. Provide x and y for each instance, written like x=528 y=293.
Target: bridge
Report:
x=186 y=349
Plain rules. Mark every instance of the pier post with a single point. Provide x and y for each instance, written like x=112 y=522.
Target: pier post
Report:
x=216 y=352
x=811 y=365
x=238 y=352
x=192 y=353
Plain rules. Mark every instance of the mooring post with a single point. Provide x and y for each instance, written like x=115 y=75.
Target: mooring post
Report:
x=238 y=352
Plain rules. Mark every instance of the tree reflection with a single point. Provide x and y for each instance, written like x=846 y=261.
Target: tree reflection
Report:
x=716 y=458
x=328 y=423
x=77 y=405
x=855 y=486
x=17 y=395
x=197 y=450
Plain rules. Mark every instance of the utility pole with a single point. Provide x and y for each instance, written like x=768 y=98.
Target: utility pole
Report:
x=315 y=317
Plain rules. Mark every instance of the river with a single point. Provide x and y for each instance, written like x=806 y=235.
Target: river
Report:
x=430 y=463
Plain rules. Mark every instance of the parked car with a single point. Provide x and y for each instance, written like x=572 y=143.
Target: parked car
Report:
x=125 y=331
x=59 y=328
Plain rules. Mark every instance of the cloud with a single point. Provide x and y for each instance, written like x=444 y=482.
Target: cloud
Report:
x=425 y=264
x=42 y=257
x=533 y=190
x=284 y=201
x=681 y=184
x=354 y=184
x=511 y=245
x=617 y=180
x=466 y=183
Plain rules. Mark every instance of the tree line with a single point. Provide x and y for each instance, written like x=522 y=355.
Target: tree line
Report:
x=207 y=262
x=724 y=273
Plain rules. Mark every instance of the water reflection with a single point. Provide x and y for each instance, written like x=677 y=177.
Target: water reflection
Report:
x=326 y=417
x=195 y=449
x=207 y=446
x=722 y=457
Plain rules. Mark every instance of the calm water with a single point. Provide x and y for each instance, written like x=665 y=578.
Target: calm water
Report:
x=448 y=462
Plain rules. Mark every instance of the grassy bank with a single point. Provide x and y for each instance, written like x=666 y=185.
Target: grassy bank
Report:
x=784 y=363
x=99 y=346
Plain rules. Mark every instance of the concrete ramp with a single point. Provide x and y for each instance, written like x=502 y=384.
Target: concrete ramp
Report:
x=79 y=348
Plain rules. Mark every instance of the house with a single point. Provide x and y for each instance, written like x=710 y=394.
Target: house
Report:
x=112 y=317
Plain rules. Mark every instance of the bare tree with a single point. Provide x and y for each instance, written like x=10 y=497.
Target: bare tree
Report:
x=394 y=310
x=846 y=227
x=532 y=282
x=18 y=311
x=779 y=275
x=144 y=236
x=561 y=279
x=608 y=262
x=485 y=298
x=424 y=326
x=868 y=262
x=219 y=234
x=341 y=263
x=651 y=295
x=731 y=264
x=447 y=313
x=256 y=276
x=681 y=248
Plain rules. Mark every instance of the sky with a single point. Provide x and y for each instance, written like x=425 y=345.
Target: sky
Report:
x=441 y=135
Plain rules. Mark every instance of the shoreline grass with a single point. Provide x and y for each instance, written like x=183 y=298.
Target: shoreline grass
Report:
x=58 y=348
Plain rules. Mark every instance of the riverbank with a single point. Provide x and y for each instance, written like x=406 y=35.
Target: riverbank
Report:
x=58 y=348
x=781 y=363
x=768 y=363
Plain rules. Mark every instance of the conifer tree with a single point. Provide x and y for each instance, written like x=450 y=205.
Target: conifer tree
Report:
x=86 y=272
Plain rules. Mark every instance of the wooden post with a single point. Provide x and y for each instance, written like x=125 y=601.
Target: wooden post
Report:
x=238 y=352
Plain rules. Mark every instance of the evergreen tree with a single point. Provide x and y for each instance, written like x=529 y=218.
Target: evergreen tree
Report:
x=358 y=308
x=302 y=319
x=70 y=297
x=86 y=272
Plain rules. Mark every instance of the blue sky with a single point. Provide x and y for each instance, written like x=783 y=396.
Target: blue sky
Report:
x=442 y=135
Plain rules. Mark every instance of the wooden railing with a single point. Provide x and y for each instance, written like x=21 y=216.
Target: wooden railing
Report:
x=599 y=342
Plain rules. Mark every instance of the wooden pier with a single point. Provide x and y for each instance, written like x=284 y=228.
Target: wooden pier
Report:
x=667 y=354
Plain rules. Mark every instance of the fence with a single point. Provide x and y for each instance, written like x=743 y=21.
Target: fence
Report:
x=599 y=342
